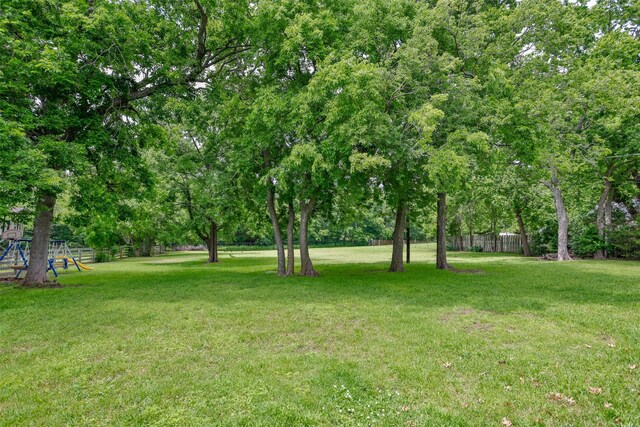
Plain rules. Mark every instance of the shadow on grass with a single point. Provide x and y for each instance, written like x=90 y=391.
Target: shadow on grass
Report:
x=506 y=286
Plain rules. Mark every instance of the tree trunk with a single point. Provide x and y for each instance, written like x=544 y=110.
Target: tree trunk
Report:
x=147 y=246
x=291 y=259
x=494 y=235
x=39 y=254
x=608 y=219
x=459 y=241
x=600 y=220
x=608 y=210
x=277 y=234
x=397 y=239
x=561 y=214
x=212 y=242
x=441 y=233
x=524 y=239
x=408 y=241
x=306 y=266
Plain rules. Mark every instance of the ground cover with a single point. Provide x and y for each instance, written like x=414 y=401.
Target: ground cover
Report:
x=172 y=340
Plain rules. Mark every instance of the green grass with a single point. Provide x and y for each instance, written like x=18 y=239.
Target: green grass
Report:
x=173 y=341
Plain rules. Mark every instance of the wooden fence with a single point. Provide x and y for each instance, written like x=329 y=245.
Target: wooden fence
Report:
x=128 y=251
x=83 y=254
x=508 y=243
x=379 y=242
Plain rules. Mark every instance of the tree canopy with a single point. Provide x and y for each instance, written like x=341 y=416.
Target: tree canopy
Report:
x=286 y=122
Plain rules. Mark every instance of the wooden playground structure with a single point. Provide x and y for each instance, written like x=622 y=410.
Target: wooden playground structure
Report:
x=16 y=255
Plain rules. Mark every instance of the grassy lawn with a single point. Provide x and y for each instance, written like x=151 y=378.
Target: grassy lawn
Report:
x=173 y=341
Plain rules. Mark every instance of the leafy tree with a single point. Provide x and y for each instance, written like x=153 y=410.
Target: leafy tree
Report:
x=76 y=68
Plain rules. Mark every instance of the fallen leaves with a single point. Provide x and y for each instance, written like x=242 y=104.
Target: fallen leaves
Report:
x=506 y=422
x=609 y=340
x=608 y=405
x=632 y=367
x=595 y=390
x=447 y=365
x=561 y=398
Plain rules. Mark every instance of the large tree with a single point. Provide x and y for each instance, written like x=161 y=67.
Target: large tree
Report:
x=77 y=69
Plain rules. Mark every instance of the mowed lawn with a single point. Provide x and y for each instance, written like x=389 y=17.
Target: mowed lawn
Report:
x=171 y=340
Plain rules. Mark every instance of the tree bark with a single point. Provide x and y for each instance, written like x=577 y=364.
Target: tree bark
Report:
x=494 y=235
x=397 y=265
x=441 y=233
x=277 y=234
x=561 y=214
x=306 y=266
x=608 y=210
x=146 y=247
x=39 y=254
x=291 y=260
x=524 y=239
x=212 y=242
x=608 y=218
x=600 y=220
x=459 y=240
x=408 y=241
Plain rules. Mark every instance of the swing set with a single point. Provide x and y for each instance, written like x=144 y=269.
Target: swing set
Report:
x=16 y=255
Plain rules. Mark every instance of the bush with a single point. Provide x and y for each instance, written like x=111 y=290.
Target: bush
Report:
x=624 y=242
x=476 y=249
x=103 y=256
x=586 y=242
x=544 y=240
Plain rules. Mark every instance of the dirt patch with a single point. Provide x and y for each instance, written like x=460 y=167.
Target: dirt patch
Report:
x=469 y=320
x=18 y=283
x=609 y=340
x=10 y=281
x=479 y=326
x=457 y=313
x=463 y=271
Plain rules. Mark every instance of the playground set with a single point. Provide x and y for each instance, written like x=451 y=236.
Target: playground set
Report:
x=16 y=255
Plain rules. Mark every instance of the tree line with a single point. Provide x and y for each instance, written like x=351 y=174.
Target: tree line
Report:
x=272 y=116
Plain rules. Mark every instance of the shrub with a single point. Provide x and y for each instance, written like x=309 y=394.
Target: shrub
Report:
x=476 y=249
x=586 y=242
x=624 y=242
x=545 y=239
x=103 y=256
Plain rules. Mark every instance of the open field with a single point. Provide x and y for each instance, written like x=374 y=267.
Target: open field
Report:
x=171 y=340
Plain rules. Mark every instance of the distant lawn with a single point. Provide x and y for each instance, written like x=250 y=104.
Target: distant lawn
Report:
x=171 y=340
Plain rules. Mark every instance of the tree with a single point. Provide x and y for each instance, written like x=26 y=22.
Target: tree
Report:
x=77 y=68
x=293 y=40
x=562 y=61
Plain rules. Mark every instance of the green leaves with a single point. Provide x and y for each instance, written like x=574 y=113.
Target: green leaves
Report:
x=426 y=119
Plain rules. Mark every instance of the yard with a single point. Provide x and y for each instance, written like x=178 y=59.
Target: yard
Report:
x=171 y=340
